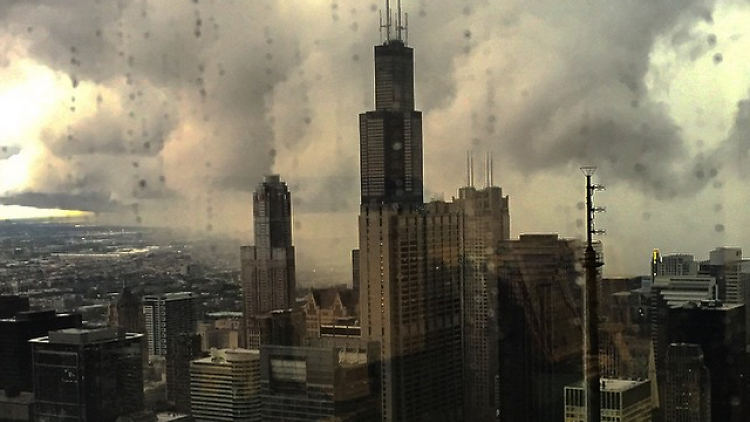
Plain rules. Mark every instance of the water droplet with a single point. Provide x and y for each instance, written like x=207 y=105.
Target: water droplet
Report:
x=719 y=228
x=718 y=58
x=142 y=183
x=467 y=34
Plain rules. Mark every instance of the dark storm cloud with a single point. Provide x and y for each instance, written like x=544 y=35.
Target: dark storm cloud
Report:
x=88 y=201
x=208 y=96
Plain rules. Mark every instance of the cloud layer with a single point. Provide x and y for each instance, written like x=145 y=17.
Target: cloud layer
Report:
x=174 y=111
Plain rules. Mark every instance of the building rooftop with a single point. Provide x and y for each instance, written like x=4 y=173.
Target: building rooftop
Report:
x=615 y=385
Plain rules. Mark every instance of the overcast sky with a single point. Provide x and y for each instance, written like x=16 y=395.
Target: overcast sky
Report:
x=154 y=112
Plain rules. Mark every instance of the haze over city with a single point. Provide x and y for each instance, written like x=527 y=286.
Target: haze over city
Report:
x=156 y=113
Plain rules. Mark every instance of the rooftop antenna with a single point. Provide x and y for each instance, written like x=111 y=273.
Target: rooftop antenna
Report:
x=381 y=27
x=406 y=29
x=492 y=170
x=387 y=20
x=399 y=27
x=469 y=169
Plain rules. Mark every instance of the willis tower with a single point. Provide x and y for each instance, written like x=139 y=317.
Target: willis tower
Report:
x=391 y=135
x=410 y=253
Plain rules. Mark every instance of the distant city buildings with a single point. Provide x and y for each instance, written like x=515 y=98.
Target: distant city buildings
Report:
x=87 y=375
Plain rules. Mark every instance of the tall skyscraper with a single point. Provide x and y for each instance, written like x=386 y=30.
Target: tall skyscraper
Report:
x=267 y=268
x=87 y=375
x=537 y=298
x=486 y=222
x=272 y=214
x=15 y=350
x=166 y=317
x=410 y=252
x=390 y=137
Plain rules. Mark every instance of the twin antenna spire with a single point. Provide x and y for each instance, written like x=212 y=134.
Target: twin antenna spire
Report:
x=401 y=28
x=488 y=169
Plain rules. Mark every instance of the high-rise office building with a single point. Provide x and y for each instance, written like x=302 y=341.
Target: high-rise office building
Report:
x=486 y=222
x=537 y=298
x=318 y=384
x=410 y=253
x=390 y=137
x=183 y=349
x=87 y=375
x=267 y=268
x=167 y=316
x=15 y=350
x=226 y=386
x=621 y=401
x=687 y=395
x=410 y=302
x=719 y=329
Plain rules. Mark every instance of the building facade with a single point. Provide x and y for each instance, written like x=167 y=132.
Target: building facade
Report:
x=687 y=395
x=87 y=375
x=319 y=384
x=167 y=316
x=268 y=268
x=486 y=222
x=621 y=401
x=226 y=386
x=538 y=300
x=15 y=350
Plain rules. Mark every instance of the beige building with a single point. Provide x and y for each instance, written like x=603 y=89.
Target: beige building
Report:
x=226 y=386
x=621 y=401
x=329 y=307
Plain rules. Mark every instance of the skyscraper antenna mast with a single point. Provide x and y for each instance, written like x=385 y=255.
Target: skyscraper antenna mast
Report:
x=399 y=27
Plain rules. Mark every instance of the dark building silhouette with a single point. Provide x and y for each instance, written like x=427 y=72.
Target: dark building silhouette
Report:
x=539 y=311
x=355 y=270
x=126 y=312
x=15 y=350
x=184 y=348
x=390 y=137
x=311 y=384
x=10 y=305
x=687 y=395
x=719 y=329
x=268 y=267
x=87 y=375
